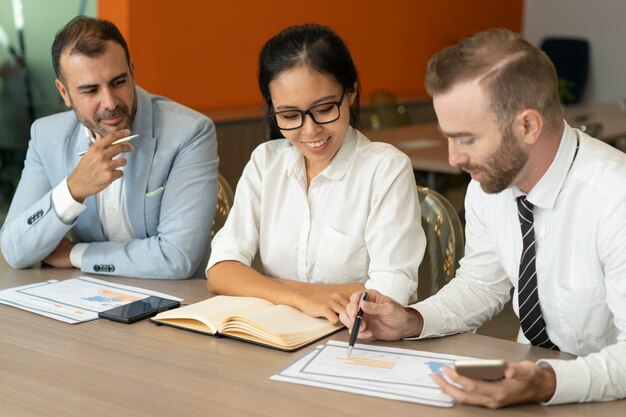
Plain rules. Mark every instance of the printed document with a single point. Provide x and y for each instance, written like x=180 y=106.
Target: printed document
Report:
x=379 y=371
x=74 y=300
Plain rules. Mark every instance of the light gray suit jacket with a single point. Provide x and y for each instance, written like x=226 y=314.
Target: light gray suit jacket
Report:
x=171 y=192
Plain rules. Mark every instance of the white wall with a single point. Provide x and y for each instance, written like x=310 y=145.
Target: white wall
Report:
x=602 y=22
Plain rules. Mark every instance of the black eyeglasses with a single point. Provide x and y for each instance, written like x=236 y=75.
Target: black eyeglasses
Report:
x=320 y=113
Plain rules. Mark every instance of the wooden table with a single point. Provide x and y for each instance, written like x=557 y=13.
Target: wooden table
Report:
x=611 y=118
x=102 y=368
x=425 y=146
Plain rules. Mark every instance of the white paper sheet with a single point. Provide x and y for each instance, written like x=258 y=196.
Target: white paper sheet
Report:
x=378 y=371
x=74 y=300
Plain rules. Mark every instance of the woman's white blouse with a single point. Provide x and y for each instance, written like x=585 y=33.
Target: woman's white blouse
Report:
x=359 y=220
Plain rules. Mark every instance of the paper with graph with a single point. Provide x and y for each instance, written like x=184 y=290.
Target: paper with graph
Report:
x=74 y=300
x=398 y=374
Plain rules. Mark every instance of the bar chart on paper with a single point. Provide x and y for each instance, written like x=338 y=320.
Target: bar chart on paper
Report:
x=371 y=363
x=74 y=300
x=435 y=366
x=393 y=373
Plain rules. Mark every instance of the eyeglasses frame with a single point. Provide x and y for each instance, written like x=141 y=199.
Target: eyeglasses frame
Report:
x=303 y=113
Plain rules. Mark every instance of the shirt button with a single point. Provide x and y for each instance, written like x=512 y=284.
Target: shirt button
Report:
x=96 y=268
x=111 y=268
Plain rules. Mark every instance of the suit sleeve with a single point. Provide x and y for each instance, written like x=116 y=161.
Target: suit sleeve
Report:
x=32 y=229
x=185 y=218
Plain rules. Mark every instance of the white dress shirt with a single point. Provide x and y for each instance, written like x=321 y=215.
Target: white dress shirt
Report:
x=580 y=231
x=111 y=207
x=358 y=221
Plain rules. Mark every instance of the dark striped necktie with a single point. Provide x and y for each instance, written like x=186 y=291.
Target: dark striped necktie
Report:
x=531 y=318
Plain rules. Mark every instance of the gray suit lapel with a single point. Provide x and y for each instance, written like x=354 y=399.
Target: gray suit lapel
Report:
x=137 y=171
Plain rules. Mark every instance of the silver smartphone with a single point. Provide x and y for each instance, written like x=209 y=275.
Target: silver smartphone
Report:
x=489 y=370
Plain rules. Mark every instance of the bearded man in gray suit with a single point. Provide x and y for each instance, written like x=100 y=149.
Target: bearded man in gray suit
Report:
x=142 y=208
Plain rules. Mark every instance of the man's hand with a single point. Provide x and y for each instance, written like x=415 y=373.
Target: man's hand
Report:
x=97 y=168
x=60 y=257
x=523 y=382
x=383 y=318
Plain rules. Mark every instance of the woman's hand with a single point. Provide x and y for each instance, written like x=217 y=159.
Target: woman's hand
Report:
x=315 y=300
x=323 y=301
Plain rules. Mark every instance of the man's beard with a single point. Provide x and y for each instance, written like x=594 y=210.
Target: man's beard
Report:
x=502 y=166
x=98 y=128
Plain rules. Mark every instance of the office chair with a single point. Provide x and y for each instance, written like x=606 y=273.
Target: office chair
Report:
x=386 y=112
x=570 y=57
x=225 y=198
x=444 y=242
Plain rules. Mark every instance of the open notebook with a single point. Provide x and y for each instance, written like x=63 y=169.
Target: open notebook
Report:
x=250 y=319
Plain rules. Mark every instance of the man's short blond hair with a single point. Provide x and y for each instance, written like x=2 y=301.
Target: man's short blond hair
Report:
x=515 y=75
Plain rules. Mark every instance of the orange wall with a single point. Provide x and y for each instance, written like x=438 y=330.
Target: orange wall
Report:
x=203 y=53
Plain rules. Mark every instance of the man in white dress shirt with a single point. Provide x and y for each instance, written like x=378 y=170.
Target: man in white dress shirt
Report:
x=141 y=209
x=546 y=215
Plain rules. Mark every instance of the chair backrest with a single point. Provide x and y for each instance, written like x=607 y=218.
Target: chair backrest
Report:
x=225 y=198
x=386 y=112
x=222 y=208
x=570 y=57
x=444 y=242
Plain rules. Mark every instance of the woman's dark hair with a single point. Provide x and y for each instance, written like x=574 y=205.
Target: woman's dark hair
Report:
x=315 y=46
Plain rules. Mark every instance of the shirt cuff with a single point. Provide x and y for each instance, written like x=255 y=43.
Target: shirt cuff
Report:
x=76 y=254
x=66 y=208
x=572 y=382
x=432 y=322
x=394 y=285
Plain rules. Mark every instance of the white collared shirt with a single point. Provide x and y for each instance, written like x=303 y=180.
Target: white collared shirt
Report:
x=580 y=231
x=111 y=207
x=358 y=221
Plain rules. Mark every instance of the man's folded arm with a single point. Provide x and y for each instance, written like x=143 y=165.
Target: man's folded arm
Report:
x=33 y=227
x=186 y=213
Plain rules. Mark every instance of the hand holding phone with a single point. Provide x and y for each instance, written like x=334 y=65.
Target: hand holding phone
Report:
x=139 y=310
x=488 y=370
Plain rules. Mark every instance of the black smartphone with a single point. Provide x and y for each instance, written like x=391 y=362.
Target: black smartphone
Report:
x=139 y=310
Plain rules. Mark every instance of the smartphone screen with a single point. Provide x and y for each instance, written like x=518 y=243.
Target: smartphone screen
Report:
x=139 y=310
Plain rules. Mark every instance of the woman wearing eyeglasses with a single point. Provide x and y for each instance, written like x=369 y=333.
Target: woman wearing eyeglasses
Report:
x=328 y=211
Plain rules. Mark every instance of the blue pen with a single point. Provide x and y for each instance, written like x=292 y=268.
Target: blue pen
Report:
x=357 y=324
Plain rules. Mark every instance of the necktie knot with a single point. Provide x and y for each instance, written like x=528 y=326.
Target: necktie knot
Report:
x=525 y=210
